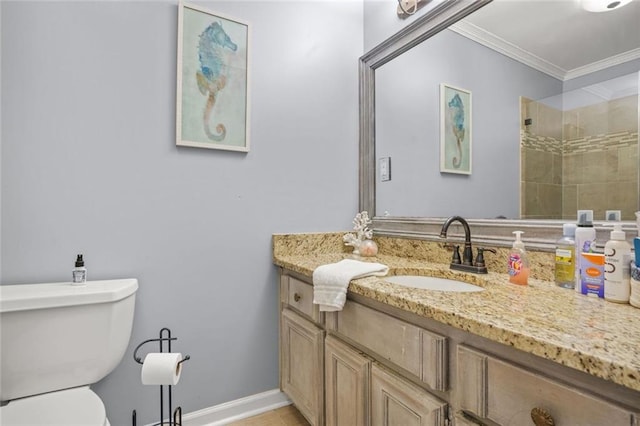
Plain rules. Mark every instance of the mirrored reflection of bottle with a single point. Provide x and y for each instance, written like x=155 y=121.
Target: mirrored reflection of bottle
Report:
x=79 y=272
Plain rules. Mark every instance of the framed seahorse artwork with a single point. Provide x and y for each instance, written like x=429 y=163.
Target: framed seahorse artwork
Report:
x=212 y=103
x=455 y=130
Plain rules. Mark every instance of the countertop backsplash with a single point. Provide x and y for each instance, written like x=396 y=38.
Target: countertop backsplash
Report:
x=541 y=263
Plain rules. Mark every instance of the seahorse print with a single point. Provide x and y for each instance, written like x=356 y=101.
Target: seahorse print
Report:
x=456 y=113
x=212 y=76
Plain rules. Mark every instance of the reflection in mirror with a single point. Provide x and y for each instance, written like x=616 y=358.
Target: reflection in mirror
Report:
x=579 y=150
x=509 y=85
x=408 y=113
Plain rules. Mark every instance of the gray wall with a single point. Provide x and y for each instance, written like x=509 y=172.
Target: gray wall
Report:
x=89 y=165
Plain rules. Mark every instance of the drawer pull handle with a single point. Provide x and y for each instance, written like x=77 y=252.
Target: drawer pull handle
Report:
x=296 y=297
x=541 y=417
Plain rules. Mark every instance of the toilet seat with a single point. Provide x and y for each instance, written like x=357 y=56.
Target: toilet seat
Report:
x=71 y=407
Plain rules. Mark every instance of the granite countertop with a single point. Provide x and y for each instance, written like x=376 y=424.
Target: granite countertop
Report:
x=585 y=333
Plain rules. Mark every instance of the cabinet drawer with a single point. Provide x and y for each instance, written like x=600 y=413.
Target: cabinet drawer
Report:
x=418 y=351
x=507 y=394
x=299 y=295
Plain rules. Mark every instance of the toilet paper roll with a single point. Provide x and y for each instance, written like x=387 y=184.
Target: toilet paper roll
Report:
x=161 y=369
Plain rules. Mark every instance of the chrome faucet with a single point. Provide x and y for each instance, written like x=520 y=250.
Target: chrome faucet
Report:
x=466 y=264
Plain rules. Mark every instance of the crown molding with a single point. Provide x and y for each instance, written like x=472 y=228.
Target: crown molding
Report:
x=603 y=64
x=490 y=40
x=599 y=91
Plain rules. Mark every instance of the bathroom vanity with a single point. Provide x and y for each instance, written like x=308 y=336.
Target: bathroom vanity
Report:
x=400 y=356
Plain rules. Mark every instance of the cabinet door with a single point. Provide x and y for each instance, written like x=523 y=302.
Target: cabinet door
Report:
x=303 y=365
x=346 y=385
x=396 y=401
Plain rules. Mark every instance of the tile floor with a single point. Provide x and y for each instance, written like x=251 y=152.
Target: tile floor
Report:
x=285 y=416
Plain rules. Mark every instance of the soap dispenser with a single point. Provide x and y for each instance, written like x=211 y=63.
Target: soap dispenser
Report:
x=79 y=272
x=518 y=264
x=617 y=255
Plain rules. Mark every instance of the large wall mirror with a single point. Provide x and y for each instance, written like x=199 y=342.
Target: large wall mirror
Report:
x=547 y=100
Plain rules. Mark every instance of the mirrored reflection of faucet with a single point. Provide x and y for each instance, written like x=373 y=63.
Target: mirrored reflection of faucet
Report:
x=466 y=263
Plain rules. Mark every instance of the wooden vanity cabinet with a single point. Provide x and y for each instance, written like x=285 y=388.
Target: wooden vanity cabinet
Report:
x=360 y=391
x=419 y=353
x=334 y=383
x=372 y=364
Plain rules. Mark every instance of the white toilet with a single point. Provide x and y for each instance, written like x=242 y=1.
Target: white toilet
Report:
x=55 y=340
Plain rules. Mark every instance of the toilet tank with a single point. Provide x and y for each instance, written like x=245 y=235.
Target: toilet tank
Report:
x=57 y=335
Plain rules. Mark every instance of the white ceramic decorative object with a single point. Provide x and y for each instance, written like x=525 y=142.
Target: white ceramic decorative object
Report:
x=361 y=225
x=368 y=248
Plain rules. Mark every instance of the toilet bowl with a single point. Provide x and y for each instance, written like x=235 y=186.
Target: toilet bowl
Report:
x=56 y=339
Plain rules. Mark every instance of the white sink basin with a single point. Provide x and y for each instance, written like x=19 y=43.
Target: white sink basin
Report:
x=432 y=283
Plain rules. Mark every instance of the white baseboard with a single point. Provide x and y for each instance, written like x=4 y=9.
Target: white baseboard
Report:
x=239 y=409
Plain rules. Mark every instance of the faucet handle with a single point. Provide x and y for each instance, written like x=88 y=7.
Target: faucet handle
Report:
x=456 y=255
x=480 y=257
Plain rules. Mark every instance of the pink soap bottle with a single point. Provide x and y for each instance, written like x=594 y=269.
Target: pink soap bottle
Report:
x=518 y=264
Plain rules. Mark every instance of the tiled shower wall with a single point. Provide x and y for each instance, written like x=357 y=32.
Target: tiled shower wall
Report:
x=541 y=161
x=590 y=161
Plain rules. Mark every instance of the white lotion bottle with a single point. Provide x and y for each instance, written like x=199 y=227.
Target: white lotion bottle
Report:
x=617 y=255
x=585 y=238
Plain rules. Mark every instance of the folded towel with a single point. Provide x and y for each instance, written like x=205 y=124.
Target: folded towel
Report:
x=330 y=281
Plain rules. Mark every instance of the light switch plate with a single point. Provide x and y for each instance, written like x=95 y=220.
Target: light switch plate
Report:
x=385 y=169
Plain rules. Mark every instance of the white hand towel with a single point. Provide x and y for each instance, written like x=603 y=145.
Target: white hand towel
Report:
x=330 y=281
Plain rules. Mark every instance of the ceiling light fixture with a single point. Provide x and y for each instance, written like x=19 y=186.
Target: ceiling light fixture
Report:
x=603 y=5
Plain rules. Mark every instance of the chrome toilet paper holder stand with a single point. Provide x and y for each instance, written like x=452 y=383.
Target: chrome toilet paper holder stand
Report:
x=164 y=339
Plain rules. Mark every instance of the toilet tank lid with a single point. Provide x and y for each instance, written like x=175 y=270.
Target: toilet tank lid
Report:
x=54 y=295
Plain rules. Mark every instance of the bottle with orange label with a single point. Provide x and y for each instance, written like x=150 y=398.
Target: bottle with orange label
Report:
x=585 y=238
x=518 y=263
x=592 y=274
